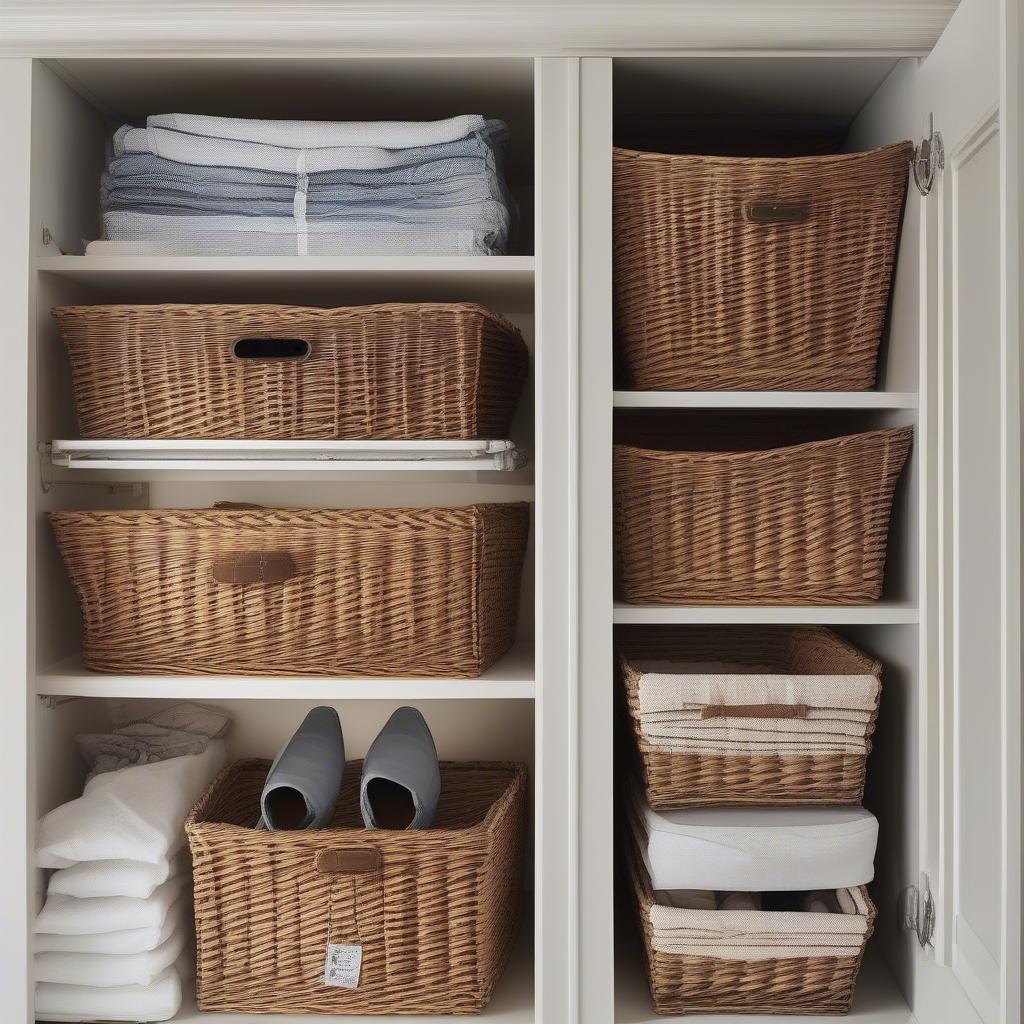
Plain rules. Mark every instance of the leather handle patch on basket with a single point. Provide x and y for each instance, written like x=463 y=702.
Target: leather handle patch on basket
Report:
x=254 y=567
x=789 y=211
x=753 y=711
x=235 y=506
x=348 y=862
x=263 y=349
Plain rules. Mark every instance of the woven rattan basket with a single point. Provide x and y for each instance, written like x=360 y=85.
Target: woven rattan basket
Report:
x=253 y=591
x=751 y=273
x=434 y=912
x=735 y=520
x=703 y=740
x=395 y=371
x=732 y=976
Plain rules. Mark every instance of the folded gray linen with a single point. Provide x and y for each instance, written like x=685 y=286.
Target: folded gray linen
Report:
x=454 y=233
x=174 y=731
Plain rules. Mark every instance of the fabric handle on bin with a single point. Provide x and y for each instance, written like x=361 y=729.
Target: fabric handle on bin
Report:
x=753 y=711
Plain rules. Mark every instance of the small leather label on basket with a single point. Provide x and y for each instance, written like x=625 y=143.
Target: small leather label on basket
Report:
x=343 y=965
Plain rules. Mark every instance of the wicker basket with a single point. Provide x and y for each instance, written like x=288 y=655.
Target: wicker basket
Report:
x=750 y=273
x=395 y=371
x=435 y=912
x=703 y=740
x=417 y=592
x=729 y=978
x=734 y=519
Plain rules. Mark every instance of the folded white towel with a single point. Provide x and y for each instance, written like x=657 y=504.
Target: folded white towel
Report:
x=115 y=877
x=108 y=970
x=65 y=915
x=157 y=1001
x=136 y=813
x=323 y=134
x=125 y=943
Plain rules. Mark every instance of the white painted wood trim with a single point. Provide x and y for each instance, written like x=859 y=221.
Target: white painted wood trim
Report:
x=555 y=465
x=533 y=27
x=597 y=952
x=1011 y=80
x=17 y=296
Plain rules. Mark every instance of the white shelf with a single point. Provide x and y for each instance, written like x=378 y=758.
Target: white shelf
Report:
x=882 y=613
x=230 y=456
x=512 y=678
x=503 y=282
x=765 y=400
x=876 y=1000
x=512 y=1002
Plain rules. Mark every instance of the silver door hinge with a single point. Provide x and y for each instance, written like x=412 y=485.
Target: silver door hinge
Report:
x=917 y=911
x=929 y=158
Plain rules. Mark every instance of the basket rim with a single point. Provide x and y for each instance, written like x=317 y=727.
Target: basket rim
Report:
x=289 y=516
x=627 y=658
x=473 y=308
x=815 y=160
x=196 y=825
x=893 y=434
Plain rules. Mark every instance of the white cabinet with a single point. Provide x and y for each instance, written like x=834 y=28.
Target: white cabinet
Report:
x=945 y=776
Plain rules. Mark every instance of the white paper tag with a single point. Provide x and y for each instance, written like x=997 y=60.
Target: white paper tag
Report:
x=342 y=967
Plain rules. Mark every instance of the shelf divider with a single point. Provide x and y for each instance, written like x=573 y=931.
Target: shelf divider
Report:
x=882 y=613
x=765 y=400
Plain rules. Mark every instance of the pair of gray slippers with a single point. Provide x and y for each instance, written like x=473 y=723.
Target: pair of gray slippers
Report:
x=399 y=789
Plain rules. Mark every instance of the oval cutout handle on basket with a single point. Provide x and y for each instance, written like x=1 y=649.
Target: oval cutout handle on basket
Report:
x=254 y=567
x=753 y=711
x=361 y=860
x=781 y=211
x=271 y=348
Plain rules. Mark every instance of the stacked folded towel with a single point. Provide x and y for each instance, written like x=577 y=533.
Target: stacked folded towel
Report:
x=832 y=714
x=190 y=184
x=117 y=915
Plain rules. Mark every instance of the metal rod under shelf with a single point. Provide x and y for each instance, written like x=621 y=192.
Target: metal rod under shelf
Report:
x=227 y=455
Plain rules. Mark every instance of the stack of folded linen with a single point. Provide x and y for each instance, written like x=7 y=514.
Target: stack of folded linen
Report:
x=676 y=702
x=117 y=916
x=189 y=184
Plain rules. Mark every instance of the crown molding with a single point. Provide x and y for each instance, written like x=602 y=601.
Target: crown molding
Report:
x=64 y=28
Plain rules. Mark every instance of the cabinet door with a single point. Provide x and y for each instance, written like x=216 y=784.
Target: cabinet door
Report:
x=972 y=609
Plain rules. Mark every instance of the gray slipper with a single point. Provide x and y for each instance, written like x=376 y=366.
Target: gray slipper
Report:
x=401 y=780
x=304 y=781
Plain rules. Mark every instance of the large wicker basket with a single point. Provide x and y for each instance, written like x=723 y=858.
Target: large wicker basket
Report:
x=748 y=516
x=751 y=273
x=414 y=592
x=434 y=913
x=706 y=734
x=715 y=961
x=395 y=371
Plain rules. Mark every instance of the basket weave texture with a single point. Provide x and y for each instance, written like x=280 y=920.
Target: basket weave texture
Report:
x=252 y=591
x=390 y=372
x=674 y=779
x=435 y=911
x=754 y=273
x=806 y=523
x=683 y=983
